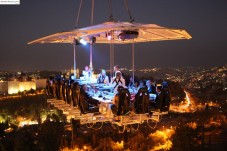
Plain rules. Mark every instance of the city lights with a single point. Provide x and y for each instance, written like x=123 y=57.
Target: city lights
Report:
x=162 y=138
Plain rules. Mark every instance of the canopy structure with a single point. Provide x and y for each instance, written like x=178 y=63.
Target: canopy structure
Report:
x=146 y=33
x=116 y=33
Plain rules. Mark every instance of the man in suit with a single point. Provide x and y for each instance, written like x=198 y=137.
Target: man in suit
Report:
x=117 y=68
x=159 y=98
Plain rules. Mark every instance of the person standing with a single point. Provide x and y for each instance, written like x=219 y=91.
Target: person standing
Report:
x=118 y=80
x=159 y=98
x=117 y=68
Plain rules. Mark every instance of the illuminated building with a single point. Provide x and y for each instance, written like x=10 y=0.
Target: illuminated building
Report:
x=13 y=87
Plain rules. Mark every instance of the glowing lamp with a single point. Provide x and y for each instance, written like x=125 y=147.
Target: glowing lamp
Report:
x=82 y=41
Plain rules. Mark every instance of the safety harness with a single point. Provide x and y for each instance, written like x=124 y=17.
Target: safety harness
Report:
x=117 y=82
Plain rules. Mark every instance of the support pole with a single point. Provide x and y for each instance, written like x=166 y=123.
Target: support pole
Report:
x=92 y=19
x=111 y=70
x=133 y=62
x=91 y=65
x=111 y=58
x=74 y=54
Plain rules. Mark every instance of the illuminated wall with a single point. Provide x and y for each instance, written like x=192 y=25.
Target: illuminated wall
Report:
x=3 y=87
x=40 y=83
x=15 y=86
x=12 y=87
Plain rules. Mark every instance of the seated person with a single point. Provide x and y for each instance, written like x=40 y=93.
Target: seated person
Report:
x=132 y=83
x=118 y=80
x=150 y=87
x=86 y=73
x=103 y=78
x=136 y=84
x=142 y=84
x=87 y=97
x=133 y=86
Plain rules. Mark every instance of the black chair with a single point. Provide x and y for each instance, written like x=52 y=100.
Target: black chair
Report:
x=63 y=90
x=166 y=101
x=58 y=88
x=124 y=102
x=141 y=103
x=75 y=93
x=68 y=92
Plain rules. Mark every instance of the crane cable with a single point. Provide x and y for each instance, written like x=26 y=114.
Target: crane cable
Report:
x=111 y=19
x=92 y=11
x=78 y=14
x=127 y=8
x=110 y=11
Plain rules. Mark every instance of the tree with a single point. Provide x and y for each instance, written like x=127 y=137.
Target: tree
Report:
x=183 y=139
x=50 y=135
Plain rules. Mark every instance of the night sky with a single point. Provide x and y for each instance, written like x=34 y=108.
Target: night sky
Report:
x=204 y=20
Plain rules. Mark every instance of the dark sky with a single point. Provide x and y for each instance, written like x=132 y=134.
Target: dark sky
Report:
x=205 y=20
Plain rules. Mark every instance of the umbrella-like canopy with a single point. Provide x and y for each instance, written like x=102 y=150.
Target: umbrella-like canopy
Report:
x=117 y=33
x=146 y=33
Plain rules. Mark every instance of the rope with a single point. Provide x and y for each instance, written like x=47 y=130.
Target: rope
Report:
x=90 y=125
x=127 y=8
x=122 y=130
x=78 y=14
x=98 y=127
x=151 y=126
x=136 y=128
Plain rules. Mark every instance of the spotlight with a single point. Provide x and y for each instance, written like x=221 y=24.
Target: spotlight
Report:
x=82 y=41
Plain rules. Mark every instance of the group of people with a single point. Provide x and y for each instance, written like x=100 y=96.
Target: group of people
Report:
x=71 y=92
x=142 y=103
x=159 y=90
